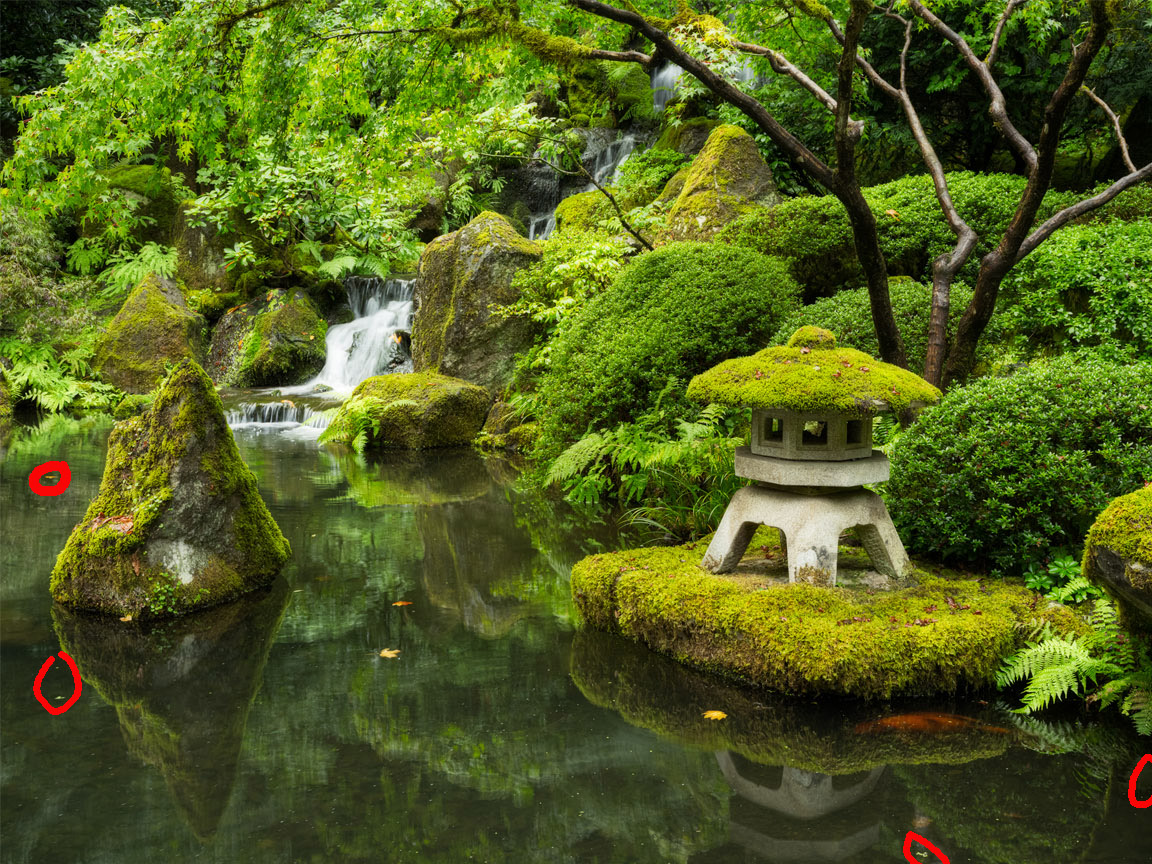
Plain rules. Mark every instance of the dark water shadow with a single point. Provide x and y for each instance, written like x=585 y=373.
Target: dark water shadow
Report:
x=182 y=690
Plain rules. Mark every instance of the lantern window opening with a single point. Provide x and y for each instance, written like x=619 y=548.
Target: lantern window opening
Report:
x=855 y=432
x=815 y=434
x=773 y=430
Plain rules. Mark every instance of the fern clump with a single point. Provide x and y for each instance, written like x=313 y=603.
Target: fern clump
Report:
x=55 y=382
x=1108 y=666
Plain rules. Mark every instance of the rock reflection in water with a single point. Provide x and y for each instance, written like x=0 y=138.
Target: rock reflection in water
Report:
x=181 y=690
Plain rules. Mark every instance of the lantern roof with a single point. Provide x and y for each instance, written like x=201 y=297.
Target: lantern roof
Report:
x=811 y=374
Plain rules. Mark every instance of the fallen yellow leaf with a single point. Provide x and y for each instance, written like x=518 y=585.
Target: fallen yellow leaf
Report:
x=402 y=603
x=126 y=618
x=714 y=715
x=893 y=214
x=390 y=653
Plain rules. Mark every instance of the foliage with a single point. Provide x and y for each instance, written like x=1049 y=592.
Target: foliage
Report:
x=1060 y=580
x=576 y=266
x=126 y=270
x=849 y=316
x=361 y=416
x=1009 y=466
x=1107 y=665
x=670 y=313
x=642 y=176
x=813 y=231
x=677 y=482
x=52 y=382
x=1088 y=286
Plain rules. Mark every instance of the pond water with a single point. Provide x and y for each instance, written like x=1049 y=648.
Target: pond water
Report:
x=273 y=730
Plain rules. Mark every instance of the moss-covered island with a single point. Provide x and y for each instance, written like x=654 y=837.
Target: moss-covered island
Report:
x=178 y=523
x=811 y=374
x=945 y=633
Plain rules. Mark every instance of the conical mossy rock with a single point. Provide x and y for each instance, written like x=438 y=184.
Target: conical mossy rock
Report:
x=178 y=523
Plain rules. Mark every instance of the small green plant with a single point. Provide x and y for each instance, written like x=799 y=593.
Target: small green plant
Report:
x=126 y=269
x=162 y=597
x=357 y=418
x=54 y=382
x=1108 y=666
x=1060 y=580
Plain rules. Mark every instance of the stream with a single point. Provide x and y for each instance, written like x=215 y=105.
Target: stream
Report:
x=272 y=730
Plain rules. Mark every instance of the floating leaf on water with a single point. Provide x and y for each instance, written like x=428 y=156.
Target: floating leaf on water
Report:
x=402 y=603
x=390 y=653
x=714 y=715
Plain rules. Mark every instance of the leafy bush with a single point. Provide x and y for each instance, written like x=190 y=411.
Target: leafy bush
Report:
x=642 y=176
x=671 y=313
x=1088 y=285
x=849 y=316
x=814 y=231
x=34 y=372
x=1005 y=469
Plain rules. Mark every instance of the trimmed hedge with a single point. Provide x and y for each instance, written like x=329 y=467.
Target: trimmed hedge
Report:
x=671 y=313
x=849 y=316
x=1004 y=470
x=814 y=231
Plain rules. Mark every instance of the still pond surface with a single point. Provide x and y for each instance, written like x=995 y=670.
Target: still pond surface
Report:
x=273 y=730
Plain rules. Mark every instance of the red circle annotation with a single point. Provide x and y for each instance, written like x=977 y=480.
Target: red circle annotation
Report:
x=1132 y=799
x=927 y=844
x=76 y=685
x=57 y=466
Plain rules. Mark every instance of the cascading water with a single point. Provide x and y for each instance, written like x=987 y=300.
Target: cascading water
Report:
x=664 y=81
x=602 y=160
x=372 y=343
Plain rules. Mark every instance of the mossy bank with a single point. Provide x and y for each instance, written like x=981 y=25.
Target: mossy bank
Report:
x=943 y=635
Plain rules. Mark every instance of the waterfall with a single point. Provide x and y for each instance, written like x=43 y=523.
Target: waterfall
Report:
x=602 y=159
x=371 y=343
x=374 y=342
x=664 y=81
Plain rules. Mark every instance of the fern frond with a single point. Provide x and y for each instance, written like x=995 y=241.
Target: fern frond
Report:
x=576 y=459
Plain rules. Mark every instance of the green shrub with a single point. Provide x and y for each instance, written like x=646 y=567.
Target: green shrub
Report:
x=814 y=231
x=671 y=313
x=1006 y=470
x=849 y=316
x=1088 y=285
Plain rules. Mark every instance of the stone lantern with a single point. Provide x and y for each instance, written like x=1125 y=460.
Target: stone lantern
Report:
x=811 y=452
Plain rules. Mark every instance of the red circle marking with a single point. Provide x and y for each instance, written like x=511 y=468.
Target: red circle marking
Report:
x=76 y=685
x=927 y=844
x=47 y=468
x=1132 y=799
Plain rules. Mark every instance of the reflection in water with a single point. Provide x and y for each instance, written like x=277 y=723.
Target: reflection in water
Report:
x=181 y=690
x=500 y=733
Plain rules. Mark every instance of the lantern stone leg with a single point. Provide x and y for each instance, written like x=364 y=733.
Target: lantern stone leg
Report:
x=811 y=525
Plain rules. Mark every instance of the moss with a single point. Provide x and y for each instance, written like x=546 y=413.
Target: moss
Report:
x=676 y=137
x=1125 y=526
x=132 y=404
x=212 y=304
x=804 y=639
x=153 y=329
x=5 y=400
x=152 y=188
x=810 y=378
x=414 y=411
x=114 y=560
x=1118 y=556
x=583 y=211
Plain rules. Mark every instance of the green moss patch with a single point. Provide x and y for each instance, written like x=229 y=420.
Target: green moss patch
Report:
x=943 y=635
x=415 y=411
x=1125 y=526
x=812 y=375
x=277 y=339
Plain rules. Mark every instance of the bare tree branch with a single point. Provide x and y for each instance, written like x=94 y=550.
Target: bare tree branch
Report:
x=1120 y=139
x=1080 y=208
x=998 y=107
x=1012 y=6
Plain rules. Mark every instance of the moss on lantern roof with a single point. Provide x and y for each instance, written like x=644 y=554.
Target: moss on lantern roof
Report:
x=812 y=374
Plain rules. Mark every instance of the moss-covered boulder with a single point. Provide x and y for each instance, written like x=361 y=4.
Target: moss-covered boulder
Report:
x=275 y=340
x=153 y=329
x=946 y=634
x=178 y=523
x=5 y=401
x=727 y=179
x=414 y=411
x=462 y=275
x=1118 y=552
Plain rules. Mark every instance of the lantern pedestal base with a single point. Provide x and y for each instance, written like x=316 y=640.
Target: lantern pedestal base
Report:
x=811 y=526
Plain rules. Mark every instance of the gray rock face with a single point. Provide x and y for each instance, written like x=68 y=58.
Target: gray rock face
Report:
x=1126 y=579
x=178 y=523
x=461 y=276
